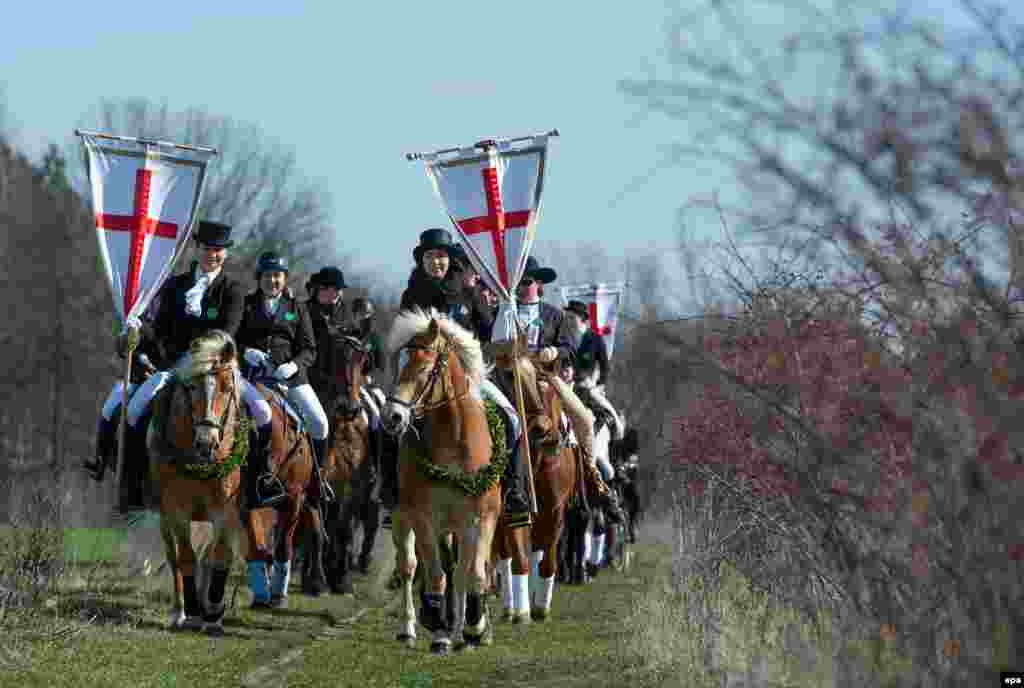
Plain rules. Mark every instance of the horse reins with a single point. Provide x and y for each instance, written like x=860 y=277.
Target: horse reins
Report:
x=438 y=372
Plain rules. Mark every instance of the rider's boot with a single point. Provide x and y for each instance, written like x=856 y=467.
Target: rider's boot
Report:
x=389 y=446
x=106 y=445
x=604 y=495
x=265 y=490
x=516 y=504
x=324 y=494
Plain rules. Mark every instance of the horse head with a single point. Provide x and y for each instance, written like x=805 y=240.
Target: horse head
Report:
x=208 y=377
x=425 y=359
x=345 y=371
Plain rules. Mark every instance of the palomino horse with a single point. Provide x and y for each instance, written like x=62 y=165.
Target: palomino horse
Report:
x=270 y=531
x=528 y=557
x=448 y=482
x=197 y=445
x=348 y=467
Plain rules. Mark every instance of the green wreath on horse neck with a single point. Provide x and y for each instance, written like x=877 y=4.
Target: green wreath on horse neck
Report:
x=476 y=483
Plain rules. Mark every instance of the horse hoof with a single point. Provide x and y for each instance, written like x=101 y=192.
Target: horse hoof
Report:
x=278 y=602
x=343 y=588
x=408 y=640
x=522 y=619
x=539 y=614
x=192 y=623
x=214 y=629
x=483 y=640
x=260 y=604
x=441 y=648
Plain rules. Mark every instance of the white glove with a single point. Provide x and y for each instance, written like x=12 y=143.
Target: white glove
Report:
x=131 y=323
x=286 y=370
x=548 y=354
x=255 y=357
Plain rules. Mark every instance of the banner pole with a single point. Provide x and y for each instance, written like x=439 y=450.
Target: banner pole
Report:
x=133 y=341
x=142 y=141
x=524 y=443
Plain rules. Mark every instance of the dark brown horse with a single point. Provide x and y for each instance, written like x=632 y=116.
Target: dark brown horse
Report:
x=447 y=482
x=348 y=468
x=270 y=532
x=195 y=464
x=528 y=579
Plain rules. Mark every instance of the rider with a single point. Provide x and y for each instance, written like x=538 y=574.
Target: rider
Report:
x=591 y=365
x=276 y=338
x=192 y=304
x=439 y=281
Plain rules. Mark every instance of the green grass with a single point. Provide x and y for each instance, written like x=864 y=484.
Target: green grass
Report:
x=317 y=642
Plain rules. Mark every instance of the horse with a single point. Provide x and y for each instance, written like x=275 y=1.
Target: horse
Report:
x=528 y=557
x=196 y=442
x=270 y=531
x=448 y=475
x=348 y=467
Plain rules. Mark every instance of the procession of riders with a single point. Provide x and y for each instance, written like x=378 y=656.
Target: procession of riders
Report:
x=280 y=339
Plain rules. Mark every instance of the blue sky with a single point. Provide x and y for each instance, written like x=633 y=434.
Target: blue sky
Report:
x=351 y=90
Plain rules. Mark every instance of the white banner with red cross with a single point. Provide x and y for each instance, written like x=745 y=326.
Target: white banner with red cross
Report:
x=491 y=191
x=603 y=303
x=144 y=197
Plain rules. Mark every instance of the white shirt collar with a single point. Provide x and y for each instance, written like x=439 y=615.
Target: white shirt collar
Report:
x=208 y=276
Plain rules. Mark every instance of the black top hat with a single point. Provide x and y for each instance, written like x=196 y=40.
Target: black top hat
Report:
x=271 y=262
x=534 y=270
x=579 y=308
x=214 y=234
x=433 y=238
x=329 y=276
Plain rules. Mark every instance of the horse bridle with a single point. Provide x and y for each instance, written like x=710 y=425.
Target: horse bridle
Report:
x=356 y=344
x=416 y=411
x=208 y=420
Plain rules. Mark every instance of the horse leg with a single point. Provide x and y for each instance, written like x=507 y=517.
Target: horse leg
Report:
x=371 y=525
x=180 y=524
x=314 y=580
x=344 y=535
x=544 y=561
x=218 y=557
x=284 y=552
x=171 y=549
x=471 y=582
x=404 y=539
x=432 y=611
x=519 y=539
x=256 y=536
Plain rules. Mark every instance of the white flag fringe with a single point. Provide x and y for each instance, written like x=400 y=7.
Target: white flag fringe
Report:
x=491 y=192
x=604 y=301
x=144 y=196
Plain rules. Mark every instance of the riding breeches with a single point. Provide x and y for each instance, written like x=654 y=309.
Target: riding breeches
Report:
x=597 y=394
x=489 y=390
x=141 y=398
x=312 y=411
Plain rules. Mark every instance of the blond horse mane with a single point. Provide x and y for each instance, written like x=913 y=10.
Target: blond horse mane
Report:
x=206 y=353
x=410 y=324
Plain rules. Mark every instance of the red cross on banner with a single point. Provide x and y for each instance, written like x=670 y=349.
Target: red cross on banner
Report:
x=140 y=225
x=601 y=330
x=496 y=222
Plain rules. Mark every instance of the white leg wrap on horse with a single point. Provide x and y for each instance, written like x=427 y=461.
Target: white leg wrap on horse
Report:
x=491 y=391
x=280 y=578
x=504 y=569
x=257 y=405
x=115 y=397
x=543 y=593
x=312 y=411
x=139 y=402
x=521 y=593
x=598 y=551
x=588 y=544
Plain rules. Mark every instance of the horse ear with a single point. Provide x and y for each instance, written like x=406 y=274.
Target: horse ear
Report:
x=227 y=354
x=434 y=329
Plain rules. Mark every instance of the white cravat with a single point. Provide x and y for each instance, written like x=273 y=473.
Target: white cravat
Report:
x=529 y=322
x=194 y=296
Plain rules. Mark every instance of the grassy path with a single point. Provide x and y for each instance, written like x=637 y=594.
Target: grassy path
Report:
x=334 y=641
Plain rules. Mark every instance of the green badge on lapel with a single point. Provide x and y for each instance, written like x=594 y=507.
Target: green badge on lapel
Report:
x=212 y=313
x=289 y=316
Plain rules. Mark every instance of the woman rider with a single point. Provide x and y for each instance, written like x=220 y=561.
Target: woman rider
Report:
x=191 y=305
x=438 y=281
x=276 y=336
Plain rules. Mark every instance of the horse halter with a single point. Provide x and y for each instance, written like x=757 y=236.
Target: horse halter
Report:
x=437 y=372
x=353 y=344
